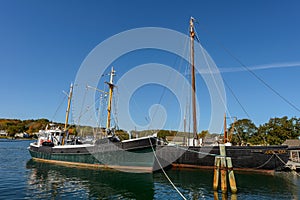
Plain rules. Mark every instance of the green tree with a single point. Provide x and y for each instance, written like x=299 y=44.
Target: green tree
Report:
x=243 y=131
x=277 y=130
x=164 y=133
x=203 y=134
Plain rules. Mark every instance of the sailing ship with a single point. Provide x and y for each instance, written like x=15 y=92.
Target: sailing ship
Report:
x=132 y=155
x=243 y=157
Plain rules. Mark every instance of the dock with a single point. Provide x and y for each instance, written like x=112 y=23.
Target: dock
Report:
x=294 y=160
x=295 y=166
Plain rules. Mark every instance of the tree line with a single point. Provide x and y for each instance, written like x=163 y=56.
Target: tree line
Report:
x=30 y=126
x=274 y=132
x=245 y=132
x=241 y=132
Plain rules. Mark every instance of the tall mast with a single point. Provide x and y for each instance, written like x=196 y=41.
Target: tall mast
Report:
x=225 y=129
x=110 y=94
x=192 y=37
x=68 y=108
x=68 y=111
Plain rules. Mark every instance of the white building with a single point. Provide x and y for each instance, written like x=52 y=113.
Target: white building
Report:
x=3 y=133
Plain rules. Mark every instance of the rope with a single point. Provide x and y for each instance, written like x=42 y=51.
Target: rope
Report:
x=168 y=80
x=58 y=108
x=266 y=162
x=210 y=154
x=214 y=80
x=235 y=97
x=293 y=171
x=165 y=172
x=254 y=74
x=279 y=158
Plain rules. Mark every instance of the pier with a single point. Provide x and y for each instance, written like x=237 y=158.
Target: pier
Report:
x=294 y=160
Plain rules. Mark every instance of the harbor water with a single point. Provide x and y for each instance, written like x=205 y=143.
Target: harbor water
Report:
x=22 y=178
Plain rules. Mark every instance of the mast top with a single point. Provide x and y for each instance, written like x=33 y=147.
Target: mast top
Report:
x=112 y=74
x=192 y=32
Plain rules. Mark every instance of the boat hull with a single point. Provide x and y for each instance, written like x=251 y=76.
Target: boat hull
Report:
x=246 y=158
x=132 y=156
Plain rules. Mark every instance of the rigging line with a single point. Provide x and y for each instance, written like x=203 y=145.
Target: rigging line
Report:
x=255 y=75
x=99 y=110
x=214 y=80
x=83 y=102
x=168 y=80
x=115 y=103
x=272 y=89
x=211 y=72
x=167 y=177
x=100 y=118
x=185 y=70
x=87 y=110
x=188 y=106
x=136 y=104
x=235 y=97
x=103 y=105
x=186 y=110
x=90 y=107
x=58 y=108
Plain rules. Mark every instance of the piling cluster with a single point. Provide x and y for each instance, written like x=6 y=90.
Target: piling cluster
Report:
x=224 y=164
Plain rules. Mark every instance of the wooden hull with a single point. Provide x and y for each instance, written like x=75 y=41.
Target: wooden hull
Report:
x=248 y=158
x=131 y=156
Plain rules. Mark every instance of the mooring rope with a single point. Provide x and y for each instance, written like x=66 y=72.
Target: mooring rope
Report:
x=293 y=171
x=210 y=154
x=266 y=162
x=165 y=172
x=279 y=158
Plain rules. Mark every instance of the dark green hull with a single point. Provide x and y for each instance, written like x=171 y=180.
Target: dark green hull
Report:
x=136 y=156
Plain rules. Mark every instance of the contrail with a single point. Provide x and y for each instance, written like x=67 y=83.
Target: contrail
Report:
x=251 y=68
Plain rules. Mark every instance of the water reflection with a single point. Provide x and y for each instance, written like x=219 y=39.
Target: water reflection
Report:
x=48 y=181
x=197 y=184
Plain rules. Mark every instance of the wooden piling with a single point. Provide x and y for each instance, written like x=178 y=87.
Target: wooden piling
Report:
x=222 y=150
x=223 y=169
x=223 y=175
x=224 y=164
x=231 y=177
x=216 y=172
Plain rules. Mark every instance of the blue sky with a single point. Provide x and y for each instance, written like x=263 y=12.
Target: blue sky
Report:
x=43 y=43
